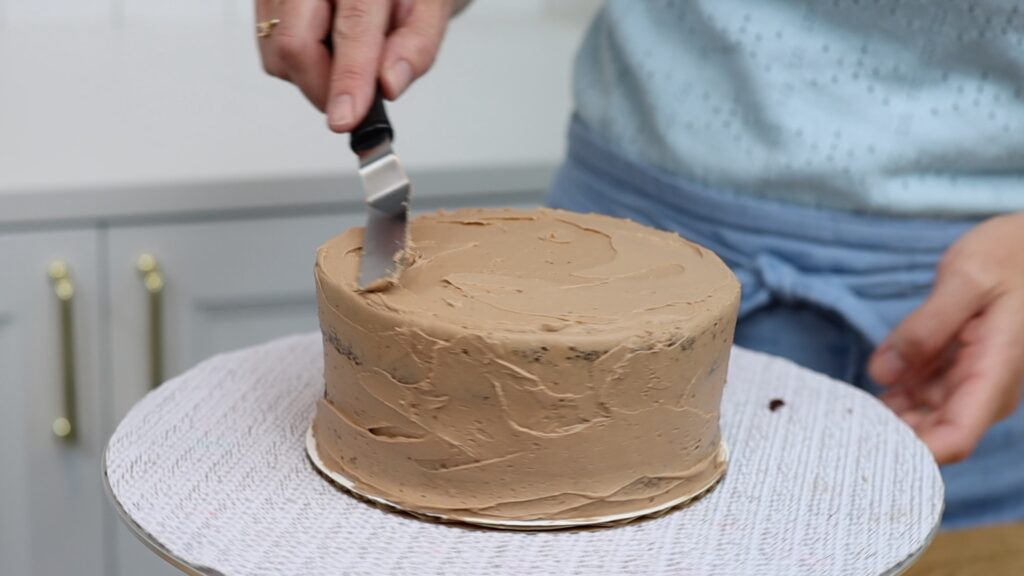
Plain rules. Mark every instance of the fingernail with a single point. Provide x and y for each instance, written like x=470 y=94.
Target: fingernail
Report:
x=889 y=365
x=398 y=76
x=339 y=113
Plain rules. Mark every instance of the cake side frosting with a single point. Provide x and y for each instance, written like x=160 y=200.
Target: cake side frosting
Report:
x=539 y=364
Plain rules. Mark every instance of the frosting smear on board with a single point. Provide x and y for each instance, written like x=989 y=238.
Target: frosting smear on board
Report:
x=527 y=365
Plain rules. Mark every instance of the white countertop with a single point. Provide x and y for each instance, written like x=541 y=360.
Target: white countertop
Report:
x=120 y=122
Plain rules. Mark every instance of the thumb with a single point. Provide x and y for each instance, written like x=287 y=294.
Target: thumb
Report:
x=927 y=332
x=412 y=46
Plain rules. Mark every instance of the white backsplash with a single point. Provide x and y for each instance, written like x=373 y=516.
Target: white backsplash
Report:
x=116 y=12
x=110 y=92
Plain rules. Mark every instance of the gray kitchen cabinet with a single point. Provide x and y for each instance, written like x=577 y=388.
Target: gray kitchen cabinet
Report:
x=142 y=301
x=53 y=514
x=225 y=285
x=232 y=198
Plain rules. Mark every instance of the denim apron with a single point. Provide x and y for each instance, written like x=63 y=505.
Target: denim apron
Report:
x=820 y=286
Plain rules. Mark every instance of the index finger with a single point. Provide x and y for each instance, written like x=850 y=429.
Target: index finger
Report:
x=358 y=40
x=989 y=389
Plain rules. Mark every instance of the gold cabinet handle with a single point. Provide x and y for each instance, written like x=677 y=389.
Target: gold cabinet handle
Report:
x=65 y=425
x=153 y=281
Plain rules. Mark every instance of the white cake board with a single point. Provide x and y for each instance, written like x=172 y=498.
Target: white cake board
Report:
x=211 y=471
x=721 y=457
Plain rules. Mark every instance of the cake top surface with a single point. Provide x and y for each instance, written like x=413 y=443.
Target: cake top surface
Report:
x=543 y=270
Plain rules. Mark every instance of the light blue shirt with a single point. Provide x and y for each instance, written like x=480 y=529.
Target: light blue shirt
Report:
x=899 y=106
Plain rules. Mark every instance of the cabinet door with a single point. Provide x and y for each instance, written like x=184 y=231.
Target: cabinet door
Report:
x=226 y=285
x=53 y=514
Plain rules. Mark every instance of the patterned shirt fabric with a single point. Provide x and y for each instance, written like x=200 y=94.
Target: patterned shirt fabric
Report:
x=901 y=107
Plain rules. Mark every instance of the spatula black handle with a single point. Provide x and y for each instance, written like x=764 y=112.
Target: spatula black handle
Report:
x=375 y=127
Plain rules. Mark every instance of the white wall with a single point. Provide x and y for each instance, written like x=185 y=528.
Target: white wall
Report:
x=118 y=92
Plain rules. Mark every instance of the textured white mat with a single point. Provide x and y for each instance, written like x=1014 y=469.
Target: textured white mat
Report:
x=213 y=466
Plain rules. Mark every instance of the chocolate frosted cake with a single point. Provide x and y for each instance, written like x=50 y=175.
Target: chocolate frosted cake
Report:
x=528 y=365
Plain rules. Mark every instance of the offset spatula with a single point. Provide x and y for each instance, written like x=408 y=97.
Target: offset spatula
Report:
x=387 y=190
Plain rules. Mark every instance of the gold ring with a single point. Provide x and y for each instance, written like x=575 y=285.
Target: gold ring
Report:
x=263 y=28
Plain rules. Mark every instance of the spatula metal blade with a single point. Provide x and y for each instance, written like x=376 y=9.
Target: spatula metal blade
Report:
x=383 y=245
x=387 y=190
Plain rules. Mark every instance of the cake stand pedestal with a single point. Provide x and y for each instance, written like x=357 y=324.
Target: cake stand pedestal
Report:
x=210 y=471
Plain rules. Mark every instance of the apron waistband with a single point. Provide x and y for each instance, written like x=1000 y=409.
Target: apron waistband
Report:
x=866 y=268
